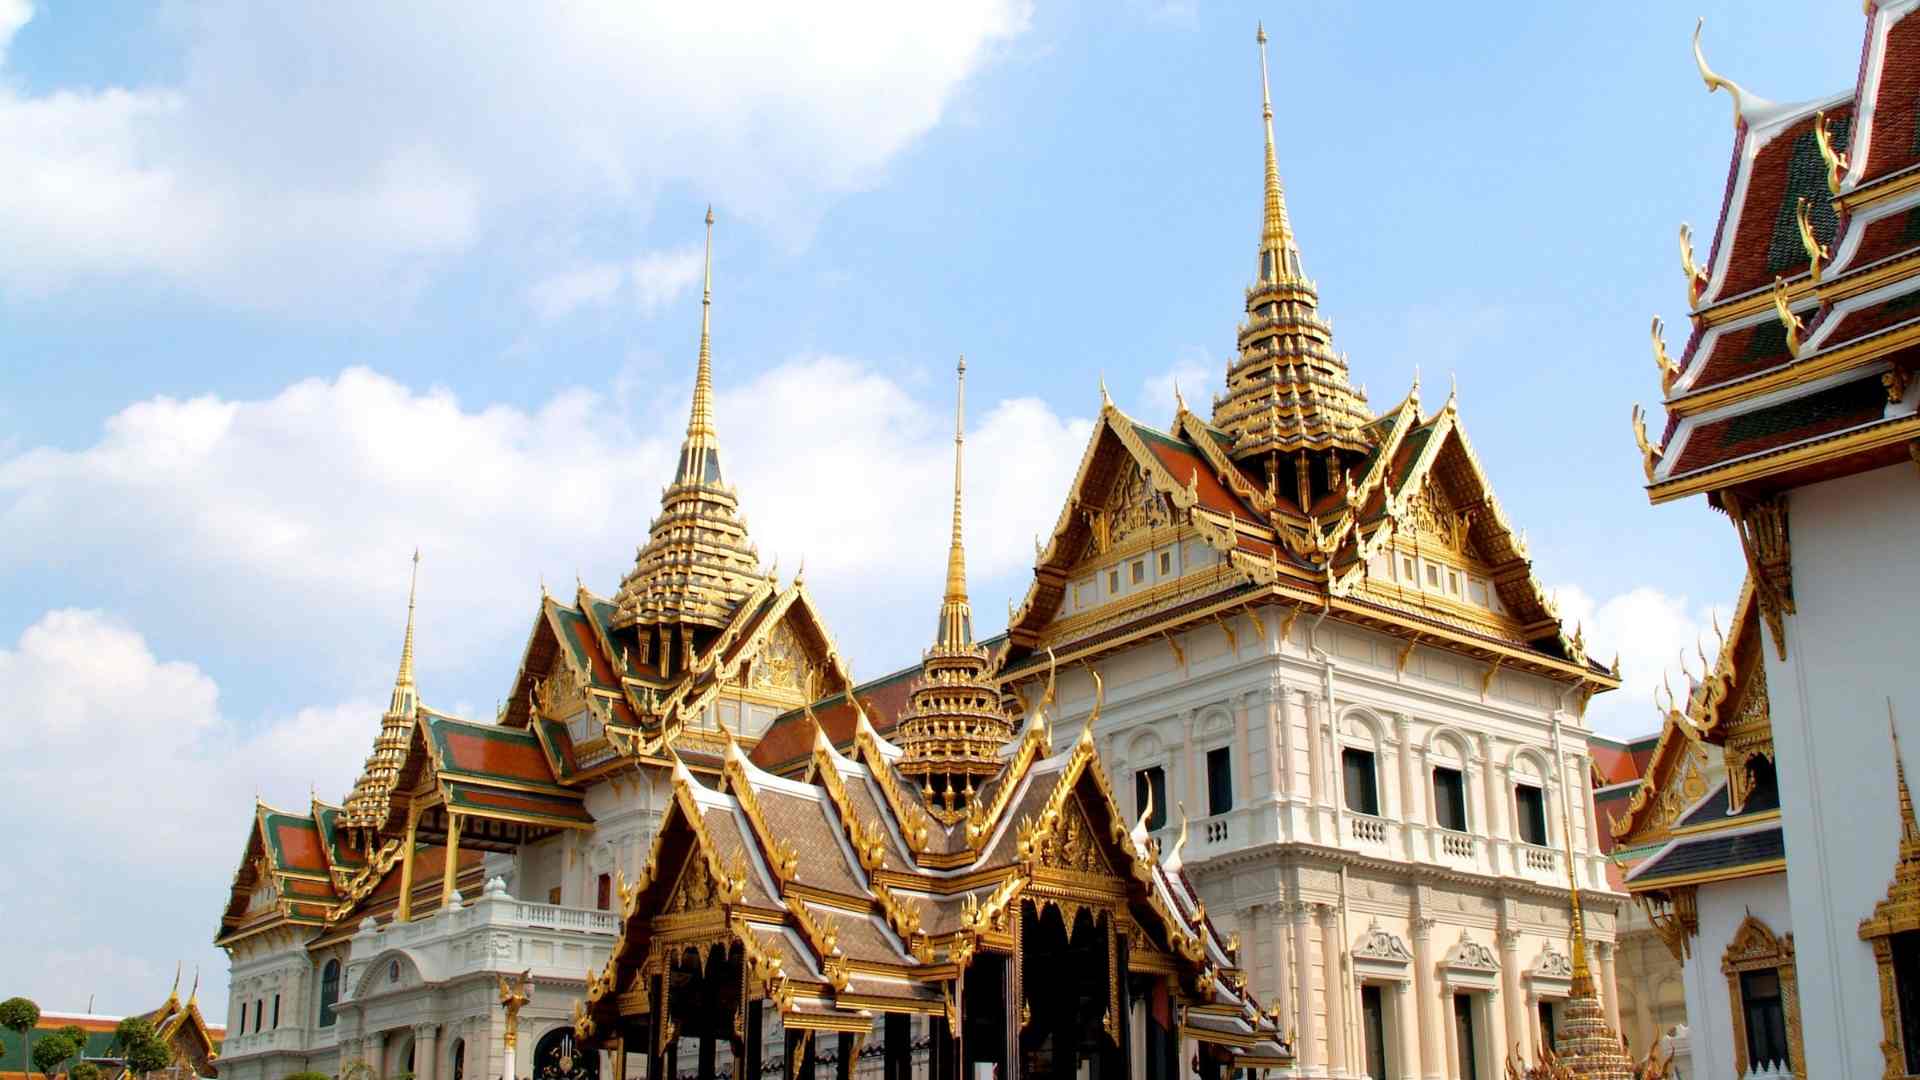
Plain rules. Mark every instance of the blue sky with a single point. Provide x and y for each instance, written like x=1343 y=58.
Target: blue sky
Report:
x=283 y=296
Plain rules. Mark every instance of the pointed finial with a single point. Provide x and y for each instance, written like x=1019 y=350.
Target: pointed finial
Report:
x=1909 y=830
x=1582 y=977
x=1742 y=100
x=1179 y=403
x=1106 y=402
x=193 y=995
x=405 y=678
x=699 y=457
x=800 y=575
x=955 y=613
x=1278 y=259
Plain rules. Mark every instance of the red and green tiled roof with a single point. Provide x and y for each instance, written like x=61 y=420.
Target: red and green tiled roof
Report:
x=489 y=753
x=1821 y=412
x=530 y=807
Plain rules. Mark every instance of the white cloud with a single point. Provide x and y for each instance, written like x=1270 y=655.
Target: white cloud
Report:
x=13 y=15
x=345 y=151
x=124 y=777
x=1651 y=631
x=657 y=278
x=1195 y=374
x=314 y=496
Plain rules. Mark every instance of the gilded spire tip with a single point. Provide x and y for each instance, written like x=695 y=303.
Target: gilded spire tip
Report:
x=1278 y=259
x=404 y=680
x=956 y=551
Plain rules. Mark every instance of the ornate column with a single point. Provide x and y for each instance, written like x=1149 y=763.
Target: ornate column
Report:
x=1281 y=735
x=1275 y=916
x=1411 y=810
x=1310 y=711
x=1406 y=1022
x=426 y=1051
x=1496 y=801
x=1306 y=1039
x=1499 y=1043
x=1334 y=985
x=1243 y=751
x=1426 y=997
x=1518 y=1031
x=1609 y=990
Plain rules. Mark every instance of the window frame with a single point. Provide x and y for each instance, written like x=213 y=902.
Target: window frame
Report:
x=1539 y=792
x=1347 y=773
x=330 y=973
x=1465 y=798
x=1221 y=783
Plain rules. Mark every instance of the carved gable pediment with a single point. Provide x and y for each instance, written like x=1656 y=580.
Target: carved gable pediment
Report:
x=1436 y=519
x=1074 y=845
x=1132 y=508
x=784 y=663
x=695 y=890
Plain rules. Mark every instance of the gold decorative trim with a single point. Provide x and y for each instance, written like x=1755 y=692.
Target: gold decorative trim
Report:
x=1755 y=948
x=1764 y=539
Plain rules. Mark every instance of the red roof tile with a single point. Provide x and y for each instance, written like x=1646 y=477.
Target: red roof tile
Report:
x=1893 y=146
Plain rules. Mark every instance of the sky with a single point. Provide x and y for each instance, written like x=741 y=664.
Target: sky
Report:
x=287 y=292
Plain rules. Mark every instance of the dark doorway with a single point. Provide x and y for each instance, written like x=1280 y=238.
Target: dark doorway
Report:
x=1064 y=979
x=1464 y=1037
x=1373 y=1024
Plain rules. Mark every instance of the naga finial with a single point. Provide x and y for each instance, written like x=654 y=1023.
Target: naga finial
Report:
x=1669 y=370
x=1816 y=251
x=1836 y=159
x=1715 y=81
x=1788 y=319
x=1696 y=274
x=1649 y=453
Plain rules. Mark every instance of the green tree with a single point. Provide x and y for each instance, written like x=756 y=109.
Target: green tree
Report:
x=76 y=1035
x=20 y=1014
x=51 y=1052
x=137 y=1044
x=307 y=1076
x=84 y=1070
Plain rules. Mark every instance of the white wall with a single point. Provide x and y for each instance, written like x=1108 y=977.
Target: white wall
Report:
x=1850 y=647
x=1723 y=907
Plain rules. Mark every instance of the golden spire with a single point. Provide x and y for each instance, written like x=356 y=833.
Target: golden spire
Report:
x=403 y=689
x=1278 y=255
x=700 y=431
x=1582 y=977
x=1909 y=830
x=956 y=616
x=697 y=564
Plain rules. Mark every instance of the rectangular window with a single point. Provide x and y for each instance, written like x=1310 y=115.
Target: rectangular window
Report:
x=1113 y=582
x=605 y=886
x=1450 y=799
x=1766 y=1017
x=1406 y=571
x=259 y=1010
x=1549 y=1033
x=1477 y=591
x=1453 y=582
x=1139 y=571
x=276 y=1012
x=1373 y=1023
x=1433 y=575
x=243 y=1018
x=1166 y=563
x=1531 y=803
x=1363 y=790
x=1150 y=783
x=553 y=896
x=1219 y=780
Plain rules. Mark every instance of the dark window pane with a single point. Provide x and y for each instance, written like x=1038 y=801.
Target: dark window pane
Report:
x=1464 y=1038
x=1450 y=799
x=1219 y=780
x=1532 y=805
x=1363 y=792
x=1766 y=1018
x=329 y=991
x=1548 y=1031
x=605 y=897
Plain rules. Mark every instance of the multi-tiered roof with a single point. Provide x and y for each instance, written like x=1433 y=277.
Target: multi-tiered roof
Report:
x=1799 y=362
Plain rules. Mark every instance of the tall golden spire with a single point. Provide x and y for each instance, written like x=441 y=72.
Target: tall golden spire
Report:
x=366 y=805
x=954 y=727
x=1587 y=1046
x=697 y=564
x=404 y=694
x=956 y=615
x=1278 y=254
x=1288 y=394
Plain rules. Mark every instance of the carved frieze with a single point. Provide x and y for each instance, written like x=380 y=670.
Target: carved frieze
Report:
x=1134 y=507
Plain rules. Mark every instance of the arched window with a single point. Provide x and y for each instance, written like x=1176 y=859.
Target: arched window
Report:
x=329 y=992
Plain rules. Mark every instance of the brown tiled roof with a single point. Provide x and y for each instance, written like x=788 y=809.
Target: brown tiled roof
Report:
x=1895 y=144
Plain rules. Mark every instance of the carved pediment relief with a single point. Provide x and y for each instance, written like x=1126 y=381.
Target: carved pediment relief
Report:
x=695 y=891
x=784 y=663
x=1435 y=519
x=1073 y=845
x=1134 y=506
x=1470 y=955
x=559 y=696
x=1379 y=945
x=1552 y=964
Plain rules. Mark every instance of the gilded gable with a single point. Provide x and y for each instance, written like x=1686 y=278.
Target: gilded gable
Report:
x=1134 y=508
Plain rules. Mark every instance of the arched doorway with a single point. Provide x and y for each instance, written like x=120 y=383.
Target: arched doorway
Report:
x=457 y=1059
x=557 y=1057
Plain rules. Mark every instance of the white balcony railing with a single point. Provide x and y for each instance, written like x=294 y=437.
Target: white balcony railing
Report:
x=1455 y=845
x=1367 y=830
x=1539 y=860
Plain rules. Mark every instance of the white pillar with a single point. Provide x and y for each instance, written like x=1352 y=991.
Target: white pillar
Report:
x=426 y=1051
x=1406 y=1022
x=1335 y=983
x=1426 y=997
x=1307 y=1048
x=1511 y=999
x=1609 y=990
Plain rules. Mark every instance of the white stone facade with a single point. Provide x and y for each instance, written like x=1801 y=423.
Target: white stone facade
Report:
x=1328 y=901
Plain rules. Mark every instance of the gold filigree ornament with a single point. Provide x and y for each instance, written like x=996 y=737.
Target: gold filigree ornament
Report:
x=1836 y=160
x=1817 y=252
x=1669 y=371
x=1695 y=274
x=1788 y=320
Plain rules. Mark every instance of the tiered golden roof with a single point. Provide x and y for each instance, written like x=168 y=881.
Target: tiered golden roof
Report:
x=954 y=727
x=1288 y=393
x=366 y=805
x=697 y=565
